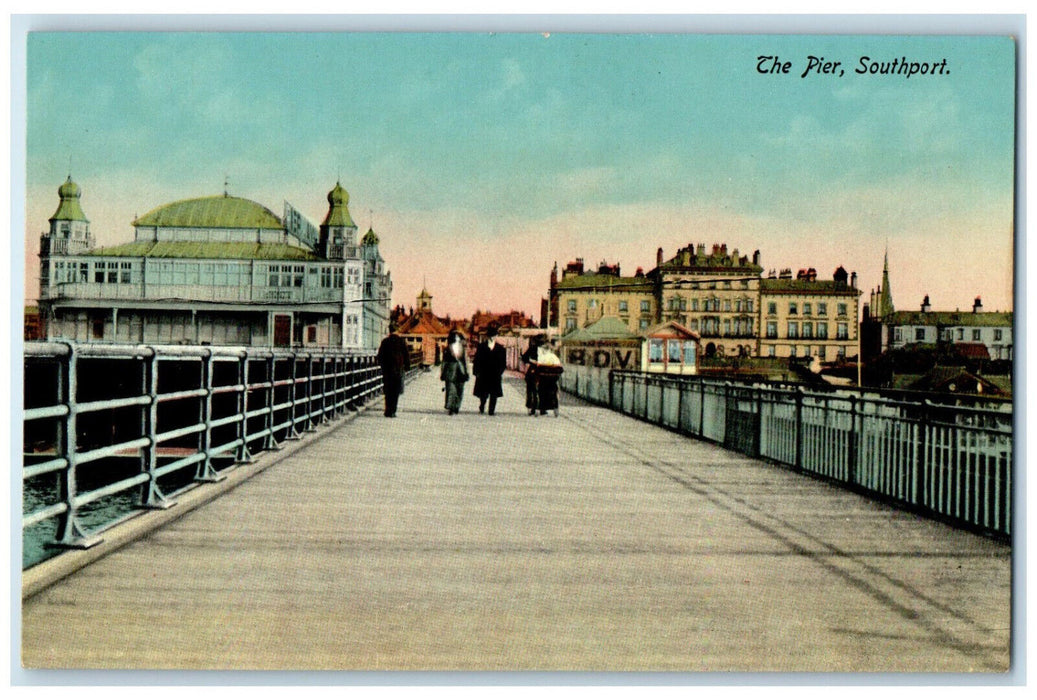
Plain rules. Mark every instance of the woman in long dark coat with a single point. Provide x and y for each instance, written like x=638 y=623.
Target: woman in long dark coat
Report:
x=488 y=366
x=454 y=372
x=529 y=357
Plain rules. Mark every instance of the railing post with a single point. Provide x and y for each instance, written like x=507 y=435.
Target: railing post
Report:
x=244 y=455
x=679 y=423
x=799 y=428
x=853 y=449
x=205 y=472
x=293 y=434
x=308 y=426
x=69 y=533
x=152 y=496
x=918 y=482
x=270 y=443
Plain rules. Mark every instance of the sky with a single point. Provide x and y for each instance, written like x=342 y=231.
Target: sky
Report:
x=481 y=159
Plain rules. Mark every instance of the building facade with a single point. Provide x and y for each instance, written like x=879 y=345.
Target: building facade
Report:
x=808 y=317
x=218 y=270
x=977 y=334
x=721 y=297
x=583 y=297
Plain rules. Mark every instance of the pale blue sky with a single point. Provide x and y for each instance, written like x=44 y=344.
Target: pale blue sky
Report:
x=481 y=159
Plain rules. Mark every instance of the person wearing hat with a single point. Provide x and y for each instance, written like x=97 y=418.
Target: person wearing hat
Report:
x=394 y=359
x=454 y=372
x=488 y=367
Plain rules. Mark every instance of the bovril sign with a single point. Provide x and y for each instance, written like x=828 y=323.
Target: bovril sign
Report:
x=602 y=358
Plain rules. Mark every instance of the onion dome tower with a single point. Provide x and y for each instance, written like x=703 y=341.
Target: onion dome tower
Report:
x=337 y=231
x=69 y=232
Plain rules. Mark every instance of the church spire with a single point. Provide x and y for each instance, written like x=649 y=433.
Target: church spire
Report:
x=885 y=293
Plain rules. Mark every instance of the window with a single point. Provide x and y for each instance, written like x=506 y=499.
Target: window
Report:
x=570 y=324
x=623 y=306
x=808 y=327
x=655 y=350
x=975 y=334
x=806 y=309
x=727 y=326
x=645 y=308
x=113 y=272
x=325 y=277
x=772 y=329
x=793 y=310
x=84 y=274
x=99 y=274
x=997 y=334
x=694 y=304
x=961 y=334
x=642 y=324
x=897 y=337
x=592 y=303
x=842 y=331
x=772 y=308
x=792 y=351
x=821 y=353
x=571 y=306
x=822 y=308
x=822 y=329
x=339 y=275
x=749 y=305
x=673 y=351
x=919 y=334
x=297 y=276
x=841 y=309
x=124 y=272
x=689 y=352
x=727 y=304
x=793 y=329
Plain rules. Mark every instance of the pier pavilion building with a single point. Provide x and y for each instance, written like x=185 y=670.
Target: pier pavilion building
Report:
x=219 y=270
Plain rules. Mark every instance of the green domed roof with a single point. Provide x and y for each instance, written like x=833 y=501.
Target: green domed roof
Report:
x=221 y=211
x=68 y=208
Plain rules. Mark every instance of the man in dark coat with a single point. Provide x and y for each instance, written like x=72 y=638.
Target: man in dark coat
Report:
x=394 y=359
x=488 y=367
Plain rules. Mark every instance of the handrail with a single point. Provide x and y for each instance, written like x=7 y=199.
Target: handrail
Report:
x=947 y=461
x=131 y=426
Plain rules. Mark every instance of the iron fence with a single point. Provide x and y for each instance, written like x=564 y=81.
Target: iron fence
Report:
x=112 y=429
x=950 y=460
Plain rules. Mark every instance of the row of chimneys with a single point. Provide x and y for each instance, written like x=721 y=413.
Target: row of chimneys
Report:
x=977 y=305
x=700 y=251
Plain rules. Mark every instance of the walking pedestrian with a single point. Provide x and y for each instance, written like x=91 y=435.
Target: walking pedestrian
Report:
x=394 y=359
x=488 y=367
x=529 y=358
x=454 y=372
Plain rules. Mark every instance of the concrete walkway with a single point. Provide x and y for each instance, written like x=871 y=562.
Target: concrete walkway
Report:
x=588 y=541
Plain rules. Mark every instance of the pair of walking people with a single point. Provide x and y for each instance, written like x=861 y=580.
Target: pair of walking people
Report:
x=488 y=367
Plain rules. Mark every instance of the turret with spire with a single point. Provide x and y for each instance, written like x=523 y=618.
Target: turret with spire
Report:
x=337 y=231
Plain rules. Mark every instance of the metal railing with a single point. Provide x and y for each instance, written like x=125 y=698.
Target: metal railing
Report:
x=136 y=424
x=950 y=461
